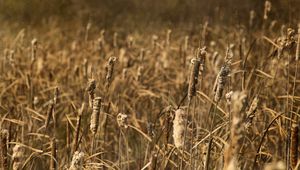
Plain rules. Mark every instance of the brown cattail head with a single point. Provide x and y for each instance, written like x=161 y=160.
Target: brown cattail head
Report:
x=196 y=63
x=77 y=161
x=193 y=80
x=95 y=115
x=179 y=127
x=109 y=70
x=3 y=149
x=77 y=129
x=222 y=76
x=294 y=145
x=17 y=157
x=91 y=90
x=122 y=120
x=268 y=6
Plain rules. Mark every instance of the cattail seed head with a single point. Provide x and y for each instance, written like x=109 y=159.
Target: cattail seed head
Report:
x=34 y=44
x=95 y=115
x=139 y=73
x=115 y=40
x=109 y=70
x=222 y=76
x=186 y=43
x=193 y=78
x=91 y=90
x=196 y=63
x=122 y=120
x=294 y=145
x=168 y=37
x=179 y=127
x=17 y=156
x=268 y=6
x=252 y=17
x=77 y=161
x=154 y=41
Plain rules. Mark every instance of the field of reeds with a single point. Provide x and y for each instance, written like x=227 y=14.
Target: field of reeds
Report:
x=192 y=96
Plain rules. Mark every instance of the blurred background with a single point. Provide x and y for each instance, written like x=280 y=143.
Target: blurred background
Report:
x=107 y=13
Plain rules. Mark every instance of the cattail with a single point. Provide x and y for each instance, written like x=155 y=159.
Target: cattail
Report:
x=122 y=120
x=298 y=45
x=95 y=115
x=228 y=97
x=294 y=145
x=124 y=73
x=142 y=55
x=11 y=58
x=250 y=114
x=109 y=70
x=154 y=41
x=53 y=160
x=91 y=90
x=193 y=78
x=56 y=95
x=88 y=27
x=252 y=17
x=268 y=6
x=34 y=44
x=77 y=161
x=17 y=156
x=179 y=127
x=236 y=132
x=115 y=40
x=77 y=129
x=85 y=67
x=130 y=41
x=139 y=73
x=222 y=76
x=102 y=36
x=168 y=37
x=186 y=43
x=49 y=114
x=3 y=149
x=198 y=67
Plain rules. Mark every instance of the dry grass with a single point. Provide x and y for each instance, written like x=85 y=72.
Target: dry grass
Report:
x=89 y=98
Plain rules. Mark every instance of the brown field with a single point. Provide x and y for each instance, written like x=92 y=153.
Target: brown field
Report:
x=129 y=85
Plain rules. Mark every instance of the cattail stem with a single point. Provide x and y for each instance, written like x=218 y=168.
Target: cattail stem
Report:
x=53 y=159
x=3 y=149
